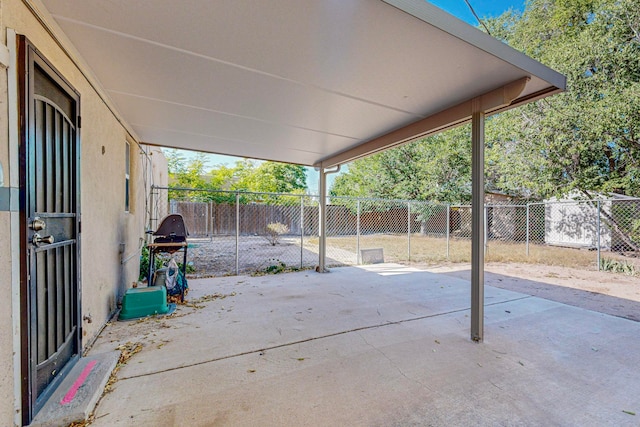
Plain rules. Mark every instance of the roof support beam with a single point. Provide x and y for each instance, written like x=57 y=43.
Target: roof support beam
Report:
x=477 y=223
x=451 y=117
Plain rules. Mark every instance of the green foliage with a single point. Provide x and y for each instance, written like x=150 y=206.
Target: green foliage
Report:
x=189 y=269
x=616 y=266
x=266 y=177
x=626 y=218
x=275 y=266
x=436 y=168
x=588 y=138
x=187 y=174
x=246 y=175
x=144 y=263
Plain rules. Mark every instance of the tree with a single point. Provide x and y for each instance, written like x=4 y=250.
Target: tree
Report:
x=437 y=168
x=187 y=174
x=587 y=139
x=246 y=175
x=281 y=177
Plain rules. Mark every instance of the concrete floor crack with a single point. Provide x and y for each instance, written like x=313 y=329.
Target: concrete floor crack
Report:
x=306 y=340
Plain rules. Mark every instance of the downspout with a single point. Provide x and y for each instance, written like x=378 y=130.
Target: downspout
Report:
x=322 y=220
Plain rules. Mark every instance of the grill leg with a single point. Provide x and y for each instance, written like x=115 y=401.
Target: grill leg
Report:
x=184 y=273
x=152 y=256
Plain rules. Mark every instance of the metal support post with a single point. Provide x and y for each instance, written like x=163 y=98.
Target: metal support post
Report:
x=358 y=260
x=409 y=231
x=448 y=227
x=477 y=226
x=237 y=233
x=598 y=232
x=322 y=221
x=301 y=232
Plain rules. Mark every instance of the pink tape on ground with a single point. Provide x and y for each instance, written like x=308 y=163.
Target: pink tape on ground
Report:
x=76 y=385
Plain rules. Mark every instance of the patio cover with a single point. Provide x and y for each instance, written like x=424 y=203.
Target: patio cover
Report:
x=297 y=81
x=311 y=82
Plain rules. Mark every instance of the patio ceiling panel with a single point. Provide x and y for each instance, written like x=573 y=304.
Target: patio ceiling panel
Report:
x=297 y=81
x=204 y=128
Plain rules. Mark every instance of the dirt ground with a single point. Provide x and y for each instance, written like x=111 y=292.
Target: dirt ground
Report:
x=610 y=293
x=215 y=257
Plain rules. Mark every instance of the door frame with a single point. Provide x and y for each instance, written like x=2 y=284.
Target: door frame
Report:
x=27 y=58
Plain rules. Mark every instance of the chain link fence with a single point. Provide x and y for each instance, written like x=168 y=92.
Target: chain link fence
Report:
x=248 y=233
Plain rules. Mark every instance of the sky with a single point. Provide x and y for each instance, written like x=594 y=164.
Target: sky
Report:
x=458 y=8
x=484 y=8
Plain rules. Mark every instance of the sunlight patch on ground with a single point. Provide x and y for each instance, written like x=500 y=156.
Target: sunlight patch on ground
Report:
x=389 y=269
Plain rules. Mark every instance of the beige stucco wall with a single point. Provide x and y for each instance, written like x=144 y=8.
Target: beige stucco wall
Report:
x=160 y=178
x=159 y=171
x=111 y=237
x=6 y=334
x=6 y=320
x=7 y=374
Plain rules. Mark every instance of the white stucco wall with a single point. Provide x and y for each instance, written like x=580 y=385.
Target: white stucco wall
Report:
x=575 y=224
x=110 y=237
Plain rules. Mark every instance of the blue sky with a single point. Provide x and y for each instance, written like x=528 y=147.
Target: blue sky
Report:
x=458 y=8
x=484 y=8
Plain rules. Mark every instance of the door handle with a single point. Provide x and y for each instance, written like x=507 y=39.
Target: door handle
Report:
x=37 y=224
x=39 y=240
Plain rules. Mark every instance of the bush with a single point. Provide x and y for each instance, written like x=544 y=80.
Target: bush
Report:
x=276 y=266
x=274 y=231
x=159 y=263
x=144 y=263
x=614 y=266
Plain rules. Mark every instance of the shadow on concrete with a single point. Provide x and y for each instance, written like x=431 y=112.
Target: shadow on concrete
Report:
x=594 y=301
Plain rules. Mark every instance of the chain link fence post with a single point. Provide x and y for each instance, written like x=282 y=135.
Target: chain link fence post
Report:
x=211 y=221
x=598 y=231
x=527 y=231
x=447 y=231
x=486 y=228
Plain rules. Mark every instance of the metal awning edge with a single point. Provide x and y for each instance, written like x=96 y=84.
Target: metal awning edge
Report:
x=453 y=26
x=493 y=102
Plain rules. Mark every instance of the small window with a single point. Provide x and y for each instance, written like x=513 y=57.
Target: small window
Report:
x=127 y=170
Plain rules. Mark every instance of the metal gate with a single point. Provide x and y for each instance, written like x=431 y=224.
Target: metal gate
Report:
x=49 y=154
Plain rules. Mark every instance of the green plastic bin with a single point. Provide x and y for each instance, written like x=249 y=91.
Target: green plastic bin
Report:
x=141 y=302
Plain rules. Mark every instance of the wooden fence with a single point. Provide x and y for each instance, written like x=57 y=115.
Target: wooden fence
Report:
x=215 y=219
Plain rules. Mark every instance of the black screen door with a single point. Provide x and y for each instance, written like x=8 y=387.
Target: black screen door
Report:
x=50 y=222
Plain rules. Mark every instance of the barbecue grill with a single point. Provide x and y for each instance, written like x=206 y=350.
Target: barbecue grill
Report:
x=171 y=237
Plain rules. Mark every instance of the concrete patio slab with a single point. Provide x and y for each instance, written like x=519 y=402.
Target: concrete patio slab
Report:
x=377 y=345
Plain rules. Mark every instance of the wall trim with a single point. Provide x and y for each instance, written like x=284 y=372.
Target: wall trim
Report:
x=14 y=238
x=9 y=197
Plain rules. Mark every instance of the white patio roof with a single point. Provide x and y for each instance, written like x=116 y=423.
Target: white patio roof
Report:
x=313 y=82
